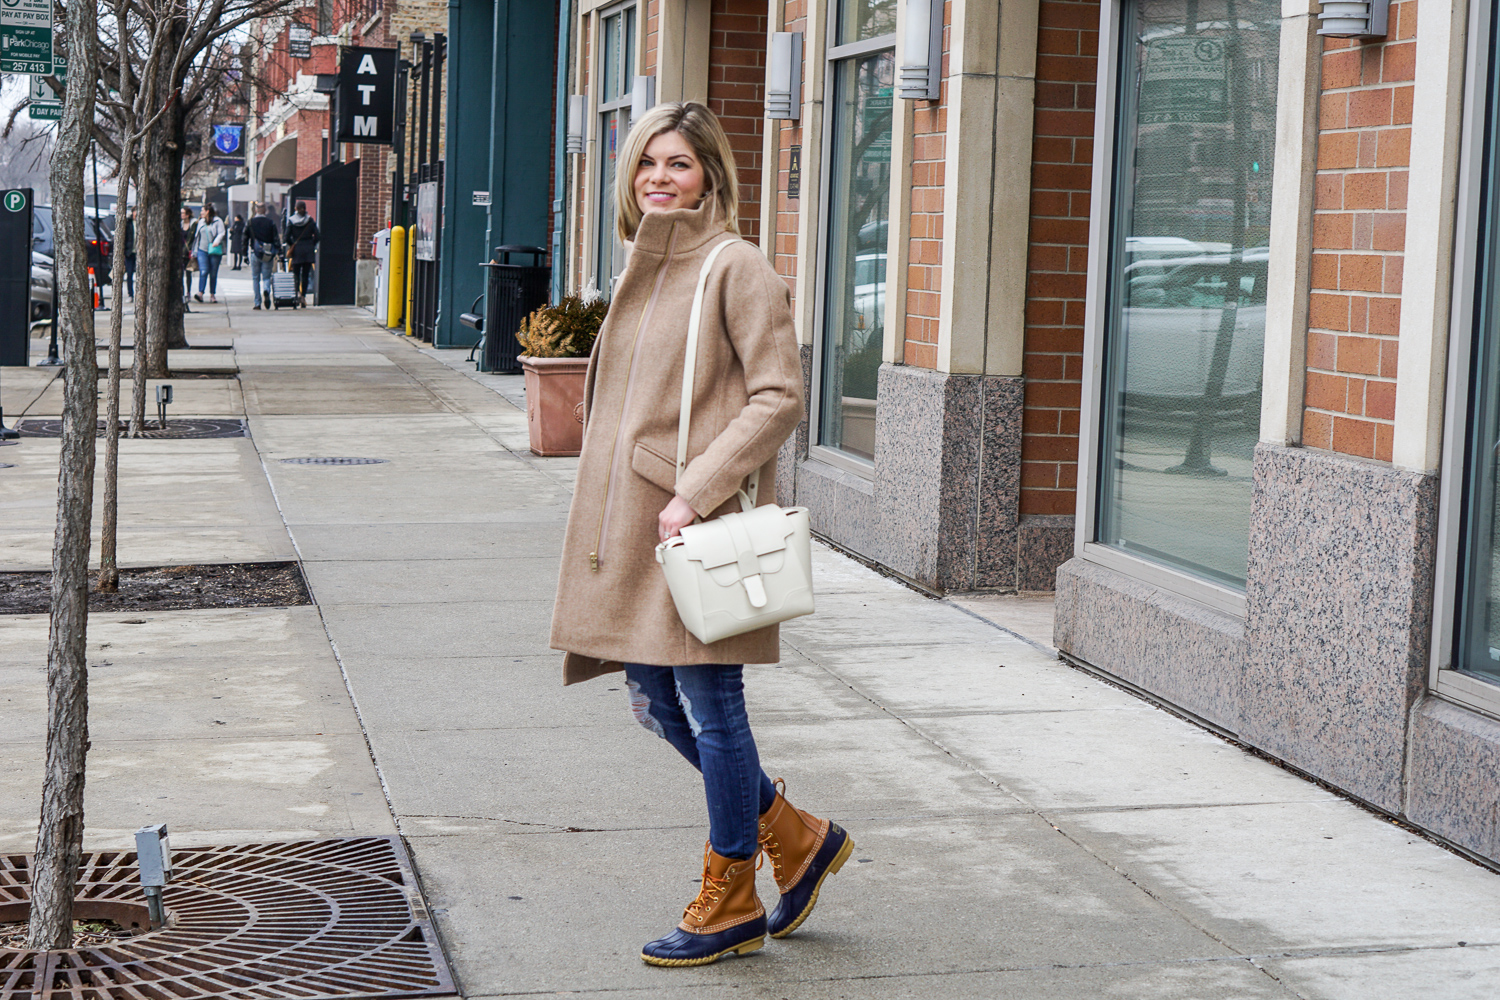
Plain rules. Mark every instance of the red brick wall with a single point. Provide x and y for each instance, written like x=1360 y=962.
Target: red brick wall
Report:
x=1359 y=232
x=924 y=264
x=794 y=18
x=737 y=94
x=1061 y=175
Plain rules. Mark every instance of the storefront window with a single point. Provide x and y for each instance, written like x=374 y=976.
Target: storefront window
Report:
x=861 y=75
x=1478 y=630
x=616 y=73
x=1186 y=306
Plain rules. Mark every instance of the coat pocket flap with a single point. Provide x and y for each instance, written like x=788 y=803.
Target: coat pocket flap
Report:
x=655 y=469
x=711 y=543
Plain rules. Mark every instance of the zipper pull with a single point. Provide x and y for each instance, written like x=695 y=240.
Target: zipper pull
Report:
x=594 y=561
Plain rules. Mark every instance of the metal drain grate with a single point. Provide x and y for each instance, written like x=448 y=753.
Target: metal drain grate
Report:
x=195 y=427
x=334 y=461
x=312 y=920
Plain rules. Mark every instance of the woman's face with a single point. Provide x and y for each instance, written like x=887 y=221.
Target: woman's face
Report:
x=669 y=175
x=187 y=216
x=204 y=214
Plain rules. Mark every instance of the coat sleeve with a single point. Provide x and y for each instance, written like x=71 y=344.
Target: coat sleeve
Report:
x=757 y=315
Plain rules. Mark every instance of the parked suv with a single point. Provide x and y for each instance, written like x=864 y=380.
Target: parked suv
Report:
x=101 y=240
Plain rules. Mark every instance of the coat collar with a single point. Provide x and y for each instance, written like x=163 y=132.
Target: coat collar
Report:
x=695 y=227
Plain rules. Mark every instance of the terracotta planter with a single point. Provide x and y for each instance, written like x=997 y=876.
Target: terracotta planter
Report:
x=554 y=404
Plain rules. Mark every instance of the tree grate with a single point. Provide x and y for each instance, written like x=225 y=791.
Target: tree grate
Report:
x=187 y=427
x=334 y=461
x=311 y=920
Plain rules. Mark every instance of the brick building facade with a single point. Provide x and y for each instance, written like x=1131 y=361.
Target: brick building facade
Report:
x=291 y=129
x=1174 y=305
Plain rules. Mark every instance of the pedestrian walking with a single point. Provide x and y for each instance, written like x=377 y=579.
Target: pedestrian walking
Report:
x=265 y=247
x=209 y=248
x=190 y=261
x=129 y=250
x=237 y=243
x=301 y=246
x=613 y=608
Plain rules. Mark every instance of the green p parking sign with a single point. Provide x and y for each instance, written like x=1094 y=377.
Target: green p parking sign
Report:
x=15 y=273
x=15 y=201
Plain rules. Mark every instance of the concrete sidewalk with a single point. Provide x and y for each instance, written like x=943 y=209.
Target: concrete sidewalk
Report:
x=1021 y=828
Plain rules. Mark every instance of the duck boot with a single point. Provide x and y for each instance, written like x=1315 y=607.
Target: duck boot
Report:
x=804 y=850
x=726 y=917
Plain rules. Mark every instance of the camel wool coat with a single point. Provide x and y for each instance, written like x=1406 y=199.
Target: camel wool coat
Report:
x=613 y=606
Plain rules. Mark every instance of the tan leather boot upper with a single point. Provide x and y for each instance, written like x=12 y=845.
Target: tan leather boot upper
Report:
x=790 y=837
x=727 y=897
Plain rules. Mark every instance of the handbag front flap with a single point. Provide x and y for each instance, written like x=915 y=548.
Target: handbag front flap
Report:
x=712 y=544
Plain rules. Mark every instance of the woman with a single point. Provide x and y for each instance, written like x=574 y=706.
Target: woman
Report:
x=301 y=237
x=237 y=242
x=129 y=242
x=189 y=240
x=613 y=609
x=209 y=246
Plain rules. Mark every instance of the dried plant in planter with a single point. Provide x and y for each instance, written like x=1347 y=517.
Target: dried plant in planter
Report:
x=566 y=330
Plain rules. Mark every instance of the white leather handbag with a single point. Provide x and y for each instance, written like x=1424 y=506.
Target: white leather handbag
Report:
x=741 y=571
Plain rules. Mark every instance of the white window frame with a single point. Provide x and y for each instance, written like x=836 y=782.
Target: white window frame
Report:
x=597 y=110
x=1443 y=680
x=833 y=54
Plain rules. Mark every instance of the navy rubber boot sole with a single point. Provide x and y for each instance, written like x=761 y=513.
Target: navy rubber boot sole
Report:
x=797 y=903
x=681 y=948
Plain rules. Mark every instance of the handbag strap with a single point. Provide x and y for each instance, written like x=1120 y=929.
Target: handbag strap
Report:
x=689 y=367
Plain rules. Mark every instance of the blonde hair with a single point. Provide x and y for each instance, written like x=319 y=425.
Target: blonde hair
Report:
x=702 y=131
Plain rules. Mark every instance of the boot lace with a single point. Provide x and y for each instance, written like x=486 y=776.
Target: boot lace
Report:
x=769 y=845
x=711 y=891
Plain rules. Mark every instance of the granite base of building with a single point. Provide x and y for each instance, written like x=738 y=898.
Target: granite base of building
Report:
x=1339 y=612
x=1328 y=670
x=942 y=507
x=1174 y=648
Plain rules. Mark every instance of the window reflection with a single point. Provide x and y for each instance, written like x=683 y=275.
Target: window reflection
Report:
x=859 y=201
x=1187 y=301
x=862 y=19
x=616 y=74
x=1478 y=627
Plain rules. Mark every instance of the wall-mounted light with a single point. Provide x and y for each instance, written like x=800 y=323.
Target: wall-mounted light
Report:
x=921 y=73
x=784 y=75
x=577 y=110
x=1355 y=18
x=642 y=97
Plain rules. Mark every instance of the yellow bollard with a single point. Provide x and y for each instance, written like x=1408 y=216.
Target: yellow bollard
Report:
x=411 y=250
x=396 y=291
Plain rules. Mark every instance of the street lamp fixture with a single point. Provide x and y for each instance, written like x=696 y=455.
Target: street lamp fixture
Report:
x=577 y=114
x=642 y=97
x=784 y=76
x=921 y=74
x=1355 y=18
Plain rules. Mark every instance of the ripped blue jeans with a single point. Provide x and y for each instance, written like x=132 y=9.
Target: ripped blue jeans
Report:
x=700 y=710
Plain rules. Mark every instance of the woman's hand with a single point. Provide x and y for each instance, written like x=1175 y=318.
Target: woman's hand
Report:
x=674 y=517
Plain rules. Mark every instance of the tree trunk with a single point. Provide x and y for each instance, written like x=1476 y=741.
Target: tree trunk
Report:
x=109 y=566
x=59 y=842
x=159 y=235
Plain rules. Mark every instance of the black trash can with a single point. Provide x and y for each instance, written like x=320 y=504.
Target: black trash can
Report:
x=514 y=292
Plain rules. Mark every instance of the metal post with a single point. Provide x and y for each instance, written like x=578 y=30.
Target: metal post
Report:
x=53 y=360
x=398 y=142
x=98 y=231
x=439 y=49
x=559 y=152
x=424 y=89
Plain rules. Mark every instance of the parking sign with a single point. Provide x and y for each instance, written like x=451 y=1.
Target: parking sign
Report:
x=25 y=36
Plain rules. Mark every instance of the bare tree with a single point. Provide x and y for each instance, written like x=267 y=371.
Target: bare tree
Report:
x=194 y=32
x=59 y=842
x=134 y=113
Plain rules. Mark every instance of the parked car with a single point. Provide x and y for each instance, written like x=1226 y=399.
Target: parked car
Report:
x=41 y=286
x=1174 y=309
x=101 y=240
